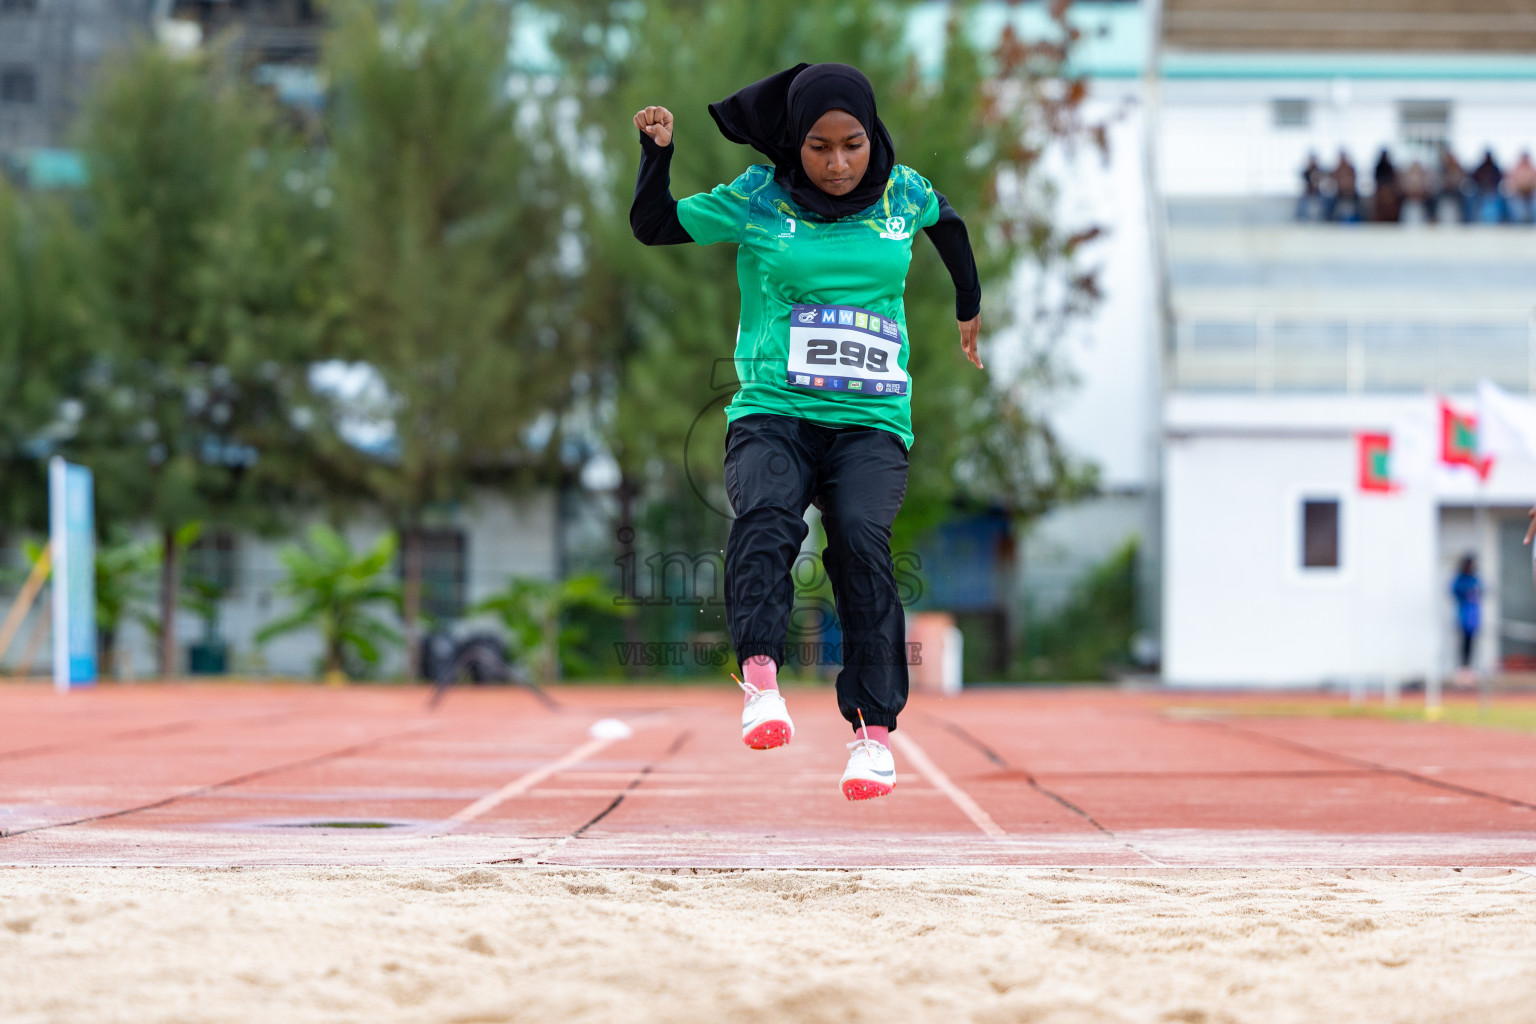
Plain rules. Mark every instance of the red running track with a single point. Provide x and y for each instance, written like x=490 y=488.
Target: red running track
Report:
x=272 y=774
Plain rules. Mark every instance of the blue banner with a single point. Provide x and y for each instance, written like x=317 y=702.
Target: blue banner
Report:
x=72 y=536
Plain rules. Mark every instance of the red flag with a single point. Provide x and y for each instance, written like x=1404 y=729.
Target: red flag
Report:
x=1376 y=463
x=1459 y=441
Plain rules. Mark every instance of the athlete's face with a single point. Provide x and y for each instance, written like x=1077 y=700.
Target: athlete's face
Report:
x=835 y=152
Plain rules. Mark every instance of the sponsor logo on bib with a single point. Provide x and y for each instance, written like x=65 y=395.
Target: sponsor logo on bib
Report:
x=845 y=349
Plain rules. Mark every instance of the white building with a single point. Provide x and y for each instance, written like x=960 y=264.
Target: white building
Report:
x=1238 y=354
x=1284 y=340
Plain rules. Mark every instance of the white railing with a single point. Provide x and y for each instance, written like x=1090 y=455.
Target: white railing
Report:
x=1271 y=350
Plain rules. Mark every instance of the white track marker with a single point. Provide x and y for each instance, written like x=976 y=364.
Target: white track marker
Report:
x=522 y=784
x=941 y=782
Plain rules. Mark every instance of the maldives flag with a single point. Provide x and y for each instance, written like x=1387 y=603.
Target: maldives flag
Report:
x=1459 y=441
x=1376 y=463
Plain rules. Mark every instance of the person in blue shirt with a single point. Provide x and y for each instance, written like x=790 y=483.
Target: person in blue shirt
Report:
x=1468 y=592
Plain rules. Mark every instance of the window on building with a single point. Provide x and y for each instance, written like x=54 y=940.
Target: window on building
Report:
x=214 y=557
x=1291 y=113
x=1424 y=128
x=444 y=571
x=18 y=85
x=1320 y=533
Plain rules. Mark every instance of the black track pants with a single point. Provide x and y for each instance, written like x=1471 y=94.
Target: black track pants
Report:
x=774 y=467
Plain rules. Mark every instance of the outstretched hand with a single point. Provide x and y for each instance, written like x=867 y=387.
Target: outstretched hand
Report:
x=657 y=123
x=970 y=329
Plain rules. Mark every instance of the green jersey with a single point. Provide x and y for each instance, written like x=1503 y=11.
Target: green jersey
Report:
x=797 y=273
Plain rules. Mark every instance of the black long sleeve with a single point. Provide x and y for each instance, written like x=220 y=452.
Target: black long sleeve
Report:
x=954 y=244
x=653 y=214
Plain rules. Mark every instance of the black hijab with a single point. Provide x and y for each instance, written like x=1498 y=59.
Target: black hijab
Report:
x=775 y=115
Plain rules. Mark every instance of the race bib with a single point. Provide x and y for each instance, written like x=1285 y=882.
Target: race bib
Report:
x=844 y=348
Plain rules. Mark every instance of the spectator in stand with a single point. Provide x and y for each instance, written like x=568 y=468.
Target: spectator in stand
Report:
x=1346 y=193
x=1418 y=195
x=1386 y=201
x=1487 y=177
x=1521 y=185
x=1455 y=187
x=1310 y=205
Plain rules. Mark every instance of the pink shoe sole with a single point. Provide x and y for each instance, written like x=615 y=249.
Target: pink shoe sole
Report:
x=768 y=735
x=863 y=789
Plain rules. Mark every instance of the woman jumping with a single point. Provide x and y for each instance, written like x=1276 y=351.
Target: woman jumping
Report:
x=824 y=413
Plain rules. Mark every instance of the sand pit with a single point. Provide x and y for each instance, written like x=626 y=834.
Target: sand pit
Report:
x=520 y=945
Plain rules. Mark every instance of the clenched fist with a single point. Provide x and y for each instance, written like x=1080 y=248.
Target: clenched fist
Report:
x=657 y=123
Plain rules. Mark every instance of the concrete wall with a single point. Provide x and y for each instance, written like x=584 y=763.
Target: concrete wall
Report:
x=1110 y=415
x=1238 y=605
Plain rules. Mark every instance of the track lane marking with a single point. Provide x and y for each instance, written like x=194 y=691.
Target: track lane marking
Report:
x=1376 y=767
x=942 y=782
x=965 y=736
x=522 y=784
x=213 y=787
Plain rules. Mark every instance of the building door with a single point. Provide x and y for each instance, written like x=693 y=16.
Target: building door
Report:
x=1517 y=598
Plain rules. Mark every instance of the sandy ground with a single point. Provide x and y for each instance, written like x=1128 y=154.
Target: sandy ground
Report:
x=995 y=946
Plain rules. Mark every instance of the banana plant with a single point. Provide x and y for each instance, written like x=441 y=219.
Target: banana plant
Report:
x=125 y=573
x=342 y=594
x=532 y=611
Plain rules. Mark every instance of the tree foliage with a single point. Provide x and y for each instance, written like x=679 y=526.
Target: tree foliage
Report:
x=450 y=208
x=460 y=234
x=1090 y=636
x=977 y=131
x=40 y=347
x=202 y=313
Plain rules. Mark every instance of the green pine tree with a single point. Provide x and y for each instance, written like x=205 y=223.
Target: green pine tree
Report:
x=453 y=198
x=203 y=314
x=40 y=354
x=667 y=316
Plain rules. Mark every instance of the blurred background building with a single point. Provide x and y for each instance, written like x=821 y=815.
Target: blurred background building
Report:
x=1256 y=321
x=1292 y=328
x=49 y=51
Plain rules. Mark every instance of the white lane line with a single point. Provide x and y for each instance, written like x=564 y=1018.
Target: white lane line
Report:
x=522 y=784
x=935 y=775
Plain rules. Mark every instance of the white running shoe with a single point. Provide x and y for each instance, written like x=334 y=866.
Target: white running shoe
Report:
x=871 y=770
x=765 y=720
